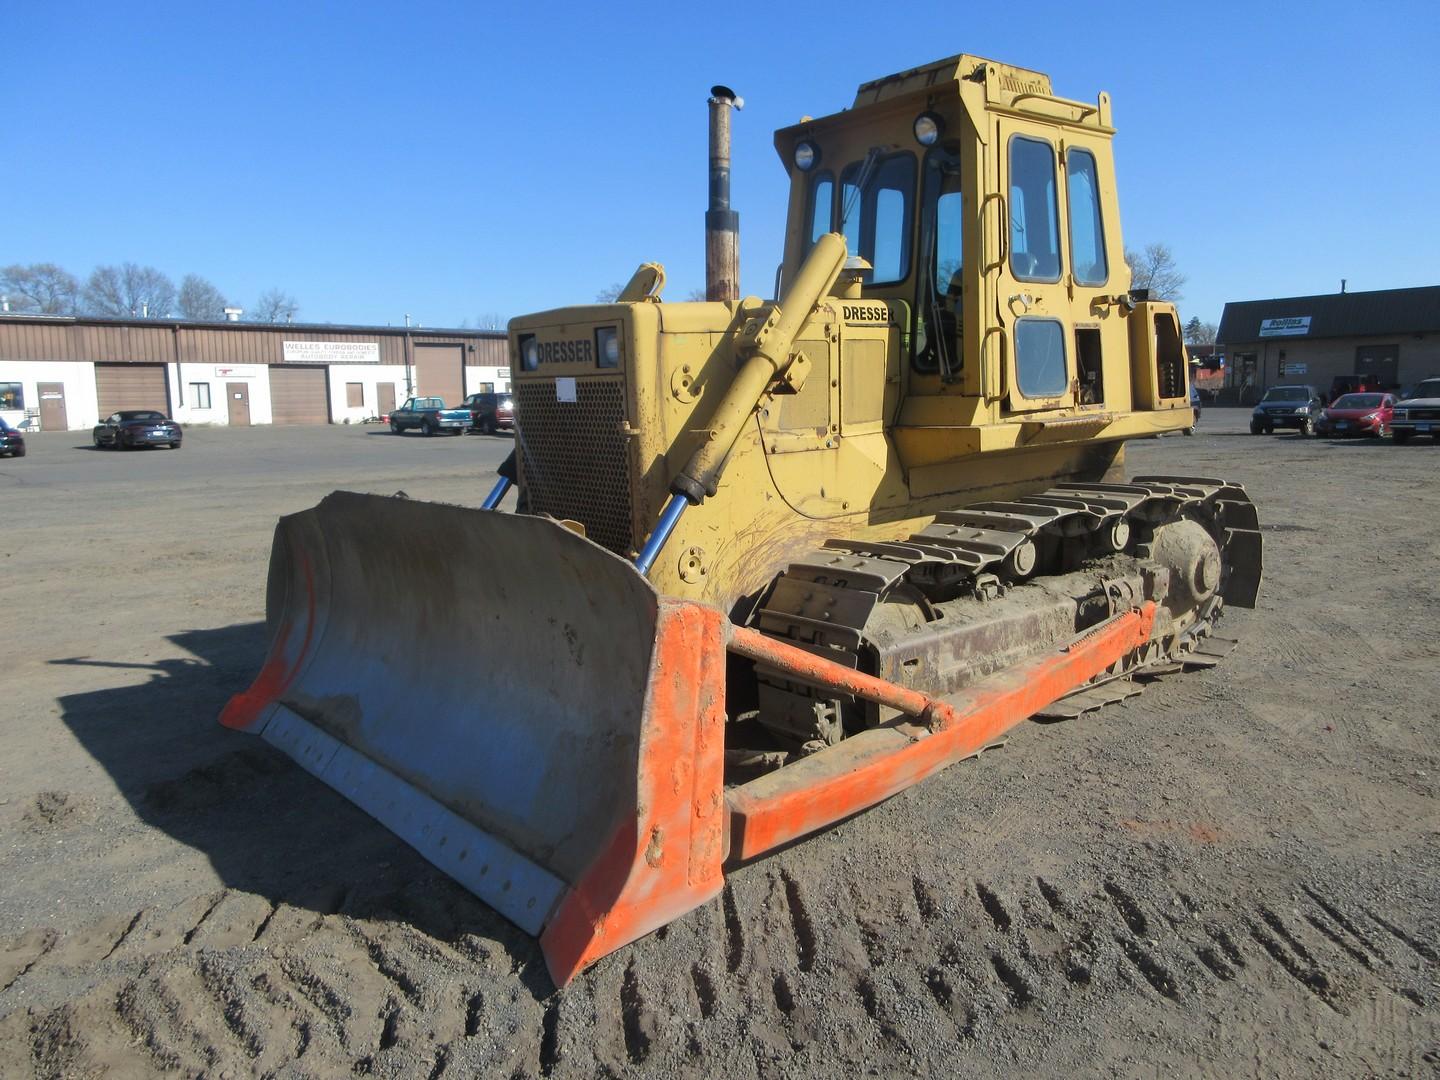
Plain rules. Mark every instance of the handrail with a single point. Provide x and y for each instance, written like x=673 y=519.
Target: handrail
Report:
x=1085 y=110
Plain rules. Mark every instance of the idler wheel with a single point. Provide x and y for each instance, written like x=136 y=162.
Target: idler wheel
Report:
x=1190 y=553
x=1020 y=563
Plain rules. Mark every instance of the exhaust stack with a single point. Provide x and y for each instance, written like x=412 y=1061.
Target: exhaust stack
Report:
x=722 y=225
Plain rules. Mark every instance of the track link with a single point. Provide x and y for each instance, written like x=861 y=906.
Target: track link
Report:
x=822 y=601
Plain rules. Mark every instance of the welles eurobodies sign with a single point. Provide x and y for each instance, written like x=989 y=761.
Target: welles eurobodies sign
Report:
x=332 y=352
x=1294 y=326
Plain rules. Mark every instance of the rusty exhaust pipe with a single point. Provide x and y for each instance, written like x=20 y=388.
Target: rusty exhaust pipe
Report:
x=722 y=225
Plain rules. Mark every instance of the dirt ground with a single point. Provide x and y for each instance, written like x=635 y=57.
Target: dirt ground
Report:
x=1236 y=873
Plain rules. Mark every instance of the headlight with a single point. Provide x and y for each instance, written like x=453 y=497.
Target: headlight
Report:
x=529 y=353
x=807 y=156
x=607 y=347
x=928 y=126
x=1303 y=409
x=1371 y=416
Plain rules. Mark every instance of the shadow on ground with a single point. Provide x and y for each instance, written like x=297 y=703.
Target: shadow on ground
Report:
x=267 y=826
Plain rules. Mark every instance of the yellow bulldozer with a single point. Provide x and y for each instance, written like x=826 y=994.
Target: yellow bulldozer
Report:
x=774 y=561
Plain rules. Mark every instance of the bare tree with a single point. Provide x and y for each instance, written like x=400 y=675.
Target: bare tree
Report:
x=696 y=294
x=611 y=293
x=274 y=306
x=200 y=300
x=491 y=320
x=129 y=291
x=1199 y=333
x=43 y=288
x=1155 y=269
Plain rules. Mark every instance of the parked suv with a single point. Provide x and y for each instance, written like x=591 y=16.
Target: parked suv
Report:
x=490 y=412
x=1418 y=414
x=1287 y=407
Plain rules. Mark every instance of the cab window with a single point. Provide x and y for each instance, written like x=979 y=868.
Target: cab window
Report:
x=1040 y=368
x=876 y=209
x=822 y=212
x=937 y=309
x=1087 y=230
x=1034 y=212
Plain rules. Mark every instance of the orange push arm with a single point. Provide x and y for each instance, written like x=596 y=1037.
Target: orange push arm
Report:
x=871 y=766
x=817 y=671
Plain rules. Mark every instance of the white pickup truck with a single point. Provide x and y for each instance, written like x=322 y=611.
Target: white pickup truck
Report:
x=1418 y=414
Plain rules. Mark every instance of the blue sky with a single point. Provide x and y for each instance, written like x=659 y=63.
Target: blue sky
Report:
x=449 y=161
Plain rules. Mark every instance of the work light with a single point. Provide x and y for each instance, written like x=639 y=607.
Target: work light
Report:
x=928 y=126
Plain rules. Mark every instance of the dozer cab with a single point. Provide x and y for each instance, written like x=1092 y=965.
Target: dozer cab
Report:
x=773 y=561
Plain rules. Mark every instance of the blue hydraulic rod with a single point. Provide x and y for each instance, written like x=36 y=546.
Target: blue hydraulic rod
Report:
x=497 y=493
x=663 y=528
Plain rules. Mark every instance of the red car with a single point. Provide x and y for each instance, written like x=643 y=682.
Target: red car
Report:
x=1357 y=414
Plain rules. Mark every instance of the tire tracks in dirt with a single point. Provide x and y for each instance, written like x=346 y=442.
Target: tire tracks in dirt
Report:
x=906 y=966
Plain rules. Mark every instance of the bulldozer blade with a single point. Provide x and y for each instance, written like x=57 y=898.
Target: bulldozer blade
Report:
x=521 y=706
x=512 y=700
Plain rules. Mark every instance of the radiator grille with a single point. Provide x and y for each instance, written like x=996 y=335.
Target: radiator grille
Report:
x=574 y=457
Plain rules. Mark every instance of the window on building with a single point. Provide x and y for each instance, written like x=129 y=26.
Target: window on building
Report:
x=200 y=395
x=12 y=395
x=1034 y=212
x=355 y=395
x=1087 y=232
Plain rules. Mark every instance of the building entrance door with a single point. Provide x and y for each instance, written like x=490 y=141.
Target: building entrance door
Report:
x=1379 y=364
x=386 y=395
x=237 y=402
x=52 y=406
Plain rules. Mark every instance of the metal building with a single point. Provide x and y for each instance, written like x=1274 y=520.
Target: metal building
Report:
x=1390 y=335
x=68 y=373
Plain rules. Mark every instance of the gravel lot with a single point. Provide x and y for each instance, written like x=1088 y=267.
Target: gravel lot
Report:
x=1233 y=874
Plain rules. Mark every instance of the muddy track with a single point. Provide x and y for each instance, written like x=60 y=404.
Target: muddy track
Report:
x=911 y=966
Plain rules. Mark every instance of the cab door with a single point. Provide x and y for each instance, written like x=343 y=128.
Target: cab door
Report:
x=1034 y=304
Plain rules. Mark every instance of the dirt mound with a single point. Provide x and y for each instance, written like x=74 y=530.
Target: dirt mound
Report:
x=56 y=810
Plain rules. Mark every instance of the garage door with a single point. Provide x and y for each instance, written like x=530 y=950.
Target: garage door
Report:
x=440 y=372
x=298 y=395
x=131 y=386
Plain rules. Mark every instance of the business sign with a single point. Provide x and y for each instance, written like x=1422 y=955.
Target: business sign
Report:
x=1295 y=367
x=234 y=373
x=1295 y=326
x=332 y=352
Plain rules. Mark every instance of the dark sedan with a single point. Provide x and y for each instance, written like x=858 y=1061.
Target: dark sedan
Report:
x=137 y=427
x=11 y=441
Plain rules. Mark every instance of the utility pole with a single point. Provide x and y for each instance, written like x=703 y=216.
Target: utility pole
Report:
x=409 y=360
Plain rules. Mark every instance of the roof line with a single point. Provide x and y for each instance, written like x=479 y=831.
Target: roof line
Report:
x=186 y=324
